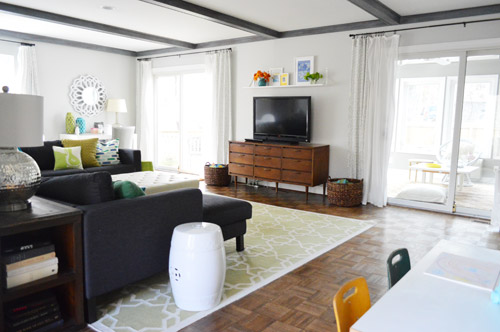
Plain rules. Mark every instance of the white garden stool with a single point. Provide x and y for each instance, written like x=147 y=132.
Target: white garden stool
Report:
x=197 y=265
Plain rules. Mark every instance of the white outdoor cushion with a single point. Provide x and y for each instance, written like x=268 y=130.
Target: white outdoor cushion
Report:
x=424 y=193
x=156 y=182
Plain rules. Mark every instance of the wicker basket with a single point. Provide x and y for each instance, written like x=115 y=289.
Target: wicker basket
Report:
x=217 y=176
x=345 y=194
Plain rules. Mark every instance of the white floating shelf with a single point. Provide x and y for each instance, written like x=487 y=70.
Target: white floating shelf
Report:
x=284 y=86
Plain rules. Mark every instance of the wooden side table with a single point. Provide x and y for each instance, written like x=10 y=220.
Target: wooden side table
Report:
x=62 y=225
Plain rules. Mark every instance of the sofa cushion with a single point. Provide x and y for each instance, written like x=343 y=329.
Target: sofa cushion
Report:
x=79 y=189
x=224 y=210
x=89 y=150
x=67 y=158
x=61 y=172
x=127 y=189
x=112 y=169
x=43 y=155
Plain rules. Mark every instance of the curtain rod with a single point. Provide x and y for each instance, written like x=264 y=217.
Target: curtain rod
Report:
x=171 y=55
x=17 y=42
x=425 y=27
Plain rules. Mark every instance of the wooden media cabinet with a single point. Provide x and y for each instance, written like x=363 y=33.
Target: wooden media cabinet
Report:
x=304 y=164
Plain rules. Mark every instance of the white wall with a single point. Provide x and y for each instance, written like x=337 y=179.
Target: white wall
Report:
x=59 y=65
x=331 y=103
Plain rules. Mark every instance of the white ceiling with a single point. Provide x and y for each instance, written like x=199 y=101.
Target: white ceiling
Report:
x=413 y=7
x=285 y=15
x=32 y=26
x=280 y=15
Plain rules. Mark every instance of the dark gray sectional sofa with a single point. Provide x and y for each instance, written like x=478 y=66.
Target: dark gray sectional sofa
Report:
x=126 y=240
x=130 y=161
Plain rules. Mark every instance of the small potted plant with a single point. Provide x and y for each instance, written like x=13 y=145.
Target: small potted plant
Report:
x=261 y=77
x=313 y=77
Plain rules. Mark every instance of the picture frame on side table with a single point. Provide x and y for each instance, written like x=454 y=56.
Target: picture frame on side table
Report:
x=284 y=79
x=275 y=76
x=303 y=65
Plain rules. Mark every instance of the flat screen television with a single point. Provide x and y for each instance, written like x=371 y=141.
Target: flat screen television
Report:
x=285 y=119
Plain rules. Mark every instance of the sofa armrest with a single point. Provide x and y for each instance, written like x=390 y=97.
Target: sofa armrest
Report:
x=129 y=156
x=128 y=240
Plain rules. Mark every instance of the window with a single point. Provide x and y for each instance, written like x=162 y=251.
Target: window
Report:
x=7 y=70
x=183 y=114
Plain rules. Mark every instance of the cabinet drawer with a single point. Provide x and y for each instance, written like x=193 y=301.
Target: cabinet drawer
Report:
x=297 y=164
x=268 y=151
x=268 y=161
x=243 y=148
x=297 y=153
x=267 y=173
x=241 y=158
x=295 y=176
x=239 y=169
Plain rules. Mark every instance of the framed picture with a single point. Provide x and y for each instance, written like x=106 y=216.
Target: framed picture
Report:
x=99 y=126
x=303 y=65
x=284 y=79
x=275 y=76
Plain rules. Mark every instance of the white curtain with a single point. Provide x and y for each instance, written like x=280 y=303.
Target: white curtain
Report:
x=371 y=113
x=219 y=70
x=145 y=109
x=27 y=70
x=495 y=212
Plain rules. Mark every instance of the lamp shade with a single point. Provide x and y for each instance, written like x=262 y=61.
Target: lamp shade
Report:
x=116 y=106
x=21 y=120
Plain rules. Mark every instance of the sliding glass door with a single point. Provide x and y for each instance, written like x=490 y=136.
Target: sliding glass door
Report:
x=479 y=144
x=183 y=118
x=446 y=139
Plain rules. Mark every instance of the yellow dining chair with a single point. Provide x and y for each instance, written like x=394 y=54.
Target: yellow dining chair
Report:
x=349 y=309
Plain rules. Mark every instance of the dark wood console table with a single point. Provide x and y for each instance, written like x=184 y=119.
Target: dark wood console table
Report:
x=304 y=164
x=62 y=225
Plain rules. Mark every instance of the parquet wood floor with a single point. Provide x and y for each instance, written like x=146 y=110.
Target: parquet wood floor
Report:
x=302 y=299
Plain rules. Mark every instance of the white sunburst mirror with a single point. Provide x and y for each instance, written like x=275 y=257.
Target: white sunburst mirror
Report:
x=87 y=95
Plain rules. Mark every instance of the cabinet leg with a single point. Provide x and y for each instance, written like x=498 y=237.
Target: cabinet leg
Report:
x=276 y=187
x=240 y=243
x=235 y=182
x=324 y=189
x=246 y=180
x=90 y=310
x=307 y=193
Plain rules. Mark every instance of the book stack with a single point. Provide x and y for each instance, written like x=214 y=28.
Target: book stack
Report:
x=37 y=313
x=29 y=262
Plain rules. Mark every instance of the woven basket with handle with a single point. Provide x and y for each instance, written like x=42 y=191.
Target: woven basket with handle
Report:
x=217 y=176
x=345 y=194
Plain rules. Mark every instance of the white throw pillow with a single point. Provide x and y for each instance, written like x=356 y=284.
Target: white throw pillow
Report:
x=107 y=152
x=424 y=193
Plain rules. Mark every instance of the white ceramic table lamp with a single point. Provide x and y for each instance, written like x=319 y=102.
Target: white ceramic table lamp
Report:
x=21 y=125
x=116 y=106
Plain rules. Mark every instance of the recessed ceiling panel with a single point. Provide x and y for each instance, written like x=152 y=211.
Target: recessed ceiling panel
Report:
x=405 y=8
x=139 y=16
x=47 y=29
x=285 y=15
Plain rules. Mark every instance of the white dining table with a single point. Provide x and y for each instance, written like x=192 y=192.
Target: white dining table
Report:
x=422 y=302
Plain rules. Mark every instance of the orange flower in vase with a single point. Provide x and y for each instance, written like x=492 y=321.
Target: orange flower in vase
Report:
x=261 y=77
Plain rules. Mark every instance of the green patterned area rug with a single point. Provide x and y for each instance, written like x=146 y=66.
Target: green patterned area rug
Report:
x=278 y=240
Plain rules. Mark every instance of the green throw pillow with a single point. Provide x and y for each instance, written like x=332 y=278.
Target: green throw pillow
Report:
x=127 y=189
x=67 y=158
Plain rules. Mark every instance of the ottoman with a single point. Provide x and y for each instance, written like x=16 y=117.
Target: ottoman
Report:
x=157 y=182
x=230 y=214
x=197 y=265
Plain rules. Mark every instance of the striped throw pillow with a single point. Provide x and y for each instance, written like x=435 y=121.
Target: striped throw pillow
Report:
x=107 y=152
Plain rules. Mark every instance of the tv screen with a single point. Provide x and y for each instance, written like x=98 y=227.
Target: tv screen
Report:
x=282 y=118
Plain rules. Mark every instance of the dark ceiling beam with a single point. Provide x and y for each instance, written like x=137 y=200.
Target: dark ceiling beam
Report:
x=334 y=28
x=379 y=10
x=78 y=23
x=215 y=16
x=27 y=37
x=451 y=14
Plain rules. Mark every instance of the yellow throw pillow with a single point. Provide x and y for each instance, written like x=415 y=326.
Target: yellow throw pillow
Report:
x=89 y=148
